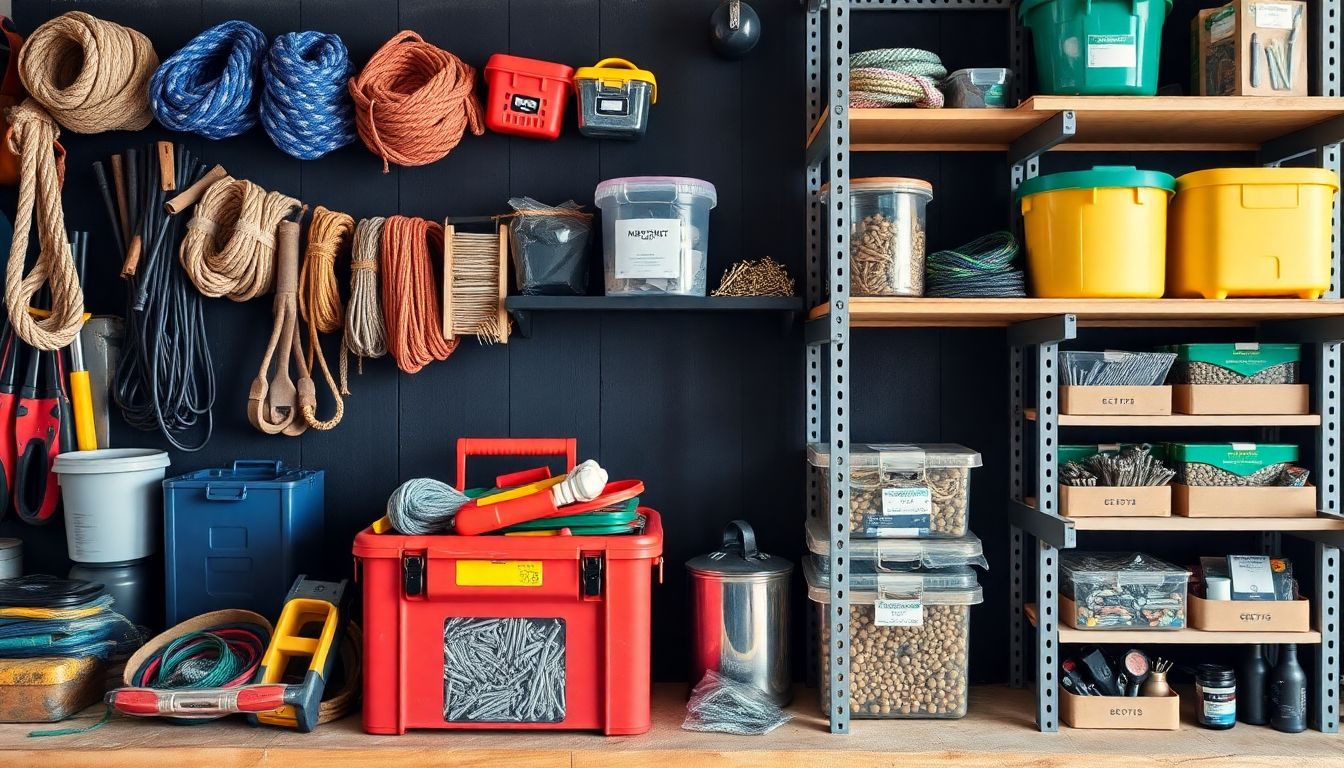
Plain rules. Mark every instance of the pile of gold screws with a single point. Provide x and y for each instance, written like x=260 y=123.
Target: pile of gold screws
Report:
x=766 y=277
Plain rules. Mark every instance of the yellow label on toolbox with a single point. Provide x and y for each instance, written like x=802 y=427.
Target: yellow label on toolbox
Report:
x=499 y=573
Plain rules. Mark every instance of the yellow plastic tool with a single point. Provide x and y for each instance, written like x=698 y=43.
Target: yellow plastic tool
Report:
x=519 y=491
x=319 y=605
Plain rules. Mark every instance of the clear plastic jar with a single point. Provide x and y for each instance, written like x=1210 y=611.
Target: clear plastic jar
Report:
x=655 y=234
x=886 y=237
x=904 y=491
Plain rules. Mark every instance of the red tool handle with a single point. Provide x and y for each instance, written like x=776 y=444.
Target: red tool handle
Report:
x=197 y=702
x=473 y=520
x=513 y=446
x=37 y=426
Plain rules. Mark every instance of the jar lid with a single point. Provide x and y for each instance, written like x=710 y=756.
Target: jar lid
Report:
x=899 y=457
x=891 y=184
x=738 y=557
x=1101 y=176
x=619 y=70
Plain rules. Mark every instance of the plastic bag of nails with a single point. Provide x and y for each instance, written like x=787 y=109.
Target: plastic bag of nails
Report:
x=723 y=705
x=550 y=247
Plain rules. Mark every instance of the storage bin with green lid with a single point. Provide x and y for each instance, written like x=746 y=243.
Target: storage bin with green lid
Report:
x=1231 y=464
x=1252 y=232
x=1237 y=363
x=1100 y=233
x=904 y=491
x=909 y=639
x=876 y=556
x=614 y=98
x=1096 y=47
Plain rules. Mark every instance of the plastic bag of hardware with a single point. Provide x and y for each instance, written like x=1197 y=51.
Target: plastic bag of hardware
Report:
x=550 y=247
x=726 y=706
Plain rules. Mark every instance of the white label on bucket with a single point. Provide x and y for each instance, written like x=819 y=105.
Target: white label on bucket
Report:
x=1273 y=15
x=898 y=613
x=1105 y=51
x=648 y=249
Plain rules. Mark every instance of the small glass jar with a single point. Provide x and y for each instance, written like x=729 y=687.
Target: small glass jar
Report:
x=1216 y=694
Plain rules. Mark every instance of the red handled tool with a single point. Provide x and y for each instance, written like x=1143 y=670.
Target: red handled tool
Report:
x=37 y=425
x=9 y=402
x=476 y=518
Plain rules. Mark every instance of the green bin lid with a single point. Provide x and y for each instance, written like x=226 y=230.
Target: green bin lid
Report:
x=1099 y=176
x=1246 y=359
x=1238 y=458
x=1027 y=6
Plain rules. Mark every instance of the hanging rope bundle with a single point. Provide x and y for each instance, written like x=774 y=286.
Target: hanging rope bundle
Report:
x=365 y=332
x=413 y=101
x=982 y=268
x=473 y=296
x=33 y=134
x=91 y=75
x=276 y=406
x=209 y=86
x=229 y=249
x=305 y=106
x=889 y=77
x=410 y=299
x=320 y=299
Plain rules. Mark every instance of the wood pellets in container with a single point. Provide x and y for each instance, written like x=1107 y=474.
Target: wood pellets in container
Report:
x=1233 y=464
x=886 y=240
x=904 y=491
x=909 y=640
x=1241 y=363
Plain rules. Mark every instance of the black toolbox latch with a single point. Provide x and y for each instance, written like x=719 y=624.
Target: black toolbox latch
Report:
x=590 y=576
x=413 y=575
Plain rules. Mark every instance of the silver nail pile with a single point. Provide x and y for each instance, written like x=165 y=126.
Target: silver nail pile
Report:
x=1133 y=465
x=724 y=705
x=504 y=670
x=1115 y=369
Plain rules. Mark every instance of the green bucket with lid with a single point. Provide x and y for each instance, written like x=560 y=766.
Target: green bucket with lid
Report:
x=1096 y=47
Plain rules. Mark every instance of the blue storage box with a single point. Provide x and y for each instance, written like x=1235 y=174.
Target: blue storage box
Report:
x=238 y=537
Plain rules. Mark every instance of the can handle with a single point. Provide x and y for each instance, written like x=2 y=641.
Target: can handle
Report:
x=513 y=446
x=227 y=493
x=259 y=465
x=739 y=535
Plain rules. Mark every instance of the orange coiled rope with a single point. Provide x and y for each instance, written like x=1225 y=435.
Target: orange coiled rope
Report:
x=410 y=293
x=413 y=101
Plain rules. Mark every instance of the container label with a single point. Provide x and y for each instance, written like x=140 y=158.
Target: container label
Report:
x=610 y=106
x=906 y=502
x=648 y=249
x=499 y=573
x=528 y=105
x=898 y=613
x=1106 y=51
x=1273 y=15
x=1218 y=705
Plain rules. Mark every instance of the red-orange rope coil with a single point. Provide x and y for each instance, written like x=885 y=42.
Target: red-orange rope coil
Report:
x=410 y=293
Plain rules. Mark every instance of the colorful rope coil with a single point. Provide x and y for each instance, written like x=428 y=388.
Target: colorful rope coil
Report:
x=888 y=77
x=305 y=106
x=209 y=86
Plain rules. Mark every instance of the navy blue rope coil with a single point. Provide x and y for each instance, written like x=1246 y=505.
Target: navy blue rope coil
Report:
x=209 y=86
x=305 y=105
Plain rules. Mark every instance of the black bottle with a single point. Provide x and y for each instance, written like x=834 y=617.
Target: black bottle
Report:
x=1253 y=675
x=1288 y=693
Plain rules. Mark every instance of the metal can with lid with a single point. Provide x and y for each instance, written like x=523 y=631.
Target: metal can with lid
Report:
x=740 y=614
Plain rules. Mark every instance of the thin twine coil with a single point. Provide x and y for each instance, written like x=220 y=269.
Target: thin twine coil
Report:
x=365 y=330
x=475 y=287
x=305 y=105
x=91 y=75
x=410 y=298
x=33 y=133
x=320 y=300
x=229 y=248
x=209 y=86
x=414 y=101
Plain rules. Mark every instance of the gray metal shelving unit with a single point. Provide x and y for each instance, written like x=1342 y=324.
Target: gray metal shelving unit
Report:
x=1034 y=346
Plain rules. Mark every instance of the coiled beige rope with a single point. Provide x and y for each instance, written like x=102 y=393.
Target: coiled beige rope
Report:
x=33 y=134
x=320 y=301
x=365 y=330
x=91 y=75
x=229 y=248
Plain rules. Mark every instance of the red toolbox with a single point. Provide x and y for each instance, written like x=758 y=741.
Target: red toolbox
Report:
x=518 y=632
x=527 y=96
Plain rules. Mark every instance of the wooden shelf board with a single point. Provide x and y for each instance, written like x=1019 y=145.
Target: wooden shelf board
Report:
x=654 y=303
x=1179 y=523
x=1173 y=636
x=998 y=731
x=1184 y=420
x=1174 y=123
x=931 y=312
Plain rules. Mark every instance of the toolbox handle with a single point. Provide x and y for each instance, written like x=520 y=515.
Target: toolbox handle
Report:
x=513 y=446
x=258 y=466
x=226 y=493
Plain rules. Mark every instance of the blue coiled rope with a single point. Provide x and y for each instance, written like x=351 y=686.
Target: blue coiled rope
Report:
x=209 y=86
x=305 y=106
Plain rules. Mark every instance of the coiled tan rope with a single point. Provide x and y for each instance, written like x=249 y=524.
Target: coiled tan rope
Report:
x=365 y=331
x=32 y=138
x=229 y=249
x=320 y=302
x=410 y=295
x=91 y=75
x=413 y=101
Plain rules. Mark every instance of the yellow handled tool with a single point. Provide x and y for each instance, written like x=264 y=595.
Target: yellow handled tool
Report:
x=81 y=394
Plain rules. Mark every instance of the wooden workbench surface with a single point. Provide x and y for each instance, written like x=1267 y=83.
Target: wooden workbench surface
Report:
x=998 y=732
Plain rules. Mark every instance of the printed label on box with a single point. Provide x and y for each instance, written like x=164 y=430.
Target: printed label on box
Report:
x=1104 y=51
x=609 y=106
x=898 y=613
x=906 y=502
x=648 y=249
x=1273 y=15
x=499 y=573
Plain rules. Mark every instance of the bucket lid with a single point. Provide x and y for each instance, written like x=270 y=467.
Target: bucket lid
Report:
x=107 y=460
x=681 y=184
x=738 y=558
x=11 y=549
x=619 y=70
x=1100 y=176
x=1236 y=176
x=1028 y=6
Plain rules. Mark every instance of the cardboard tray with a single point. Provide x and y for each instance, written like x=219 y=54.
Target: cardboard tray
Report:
x=1241 y=399
x=1142 y=501
x=1115 y=401
x=1150 y=713
x=1248 y=615
x=1231 y=501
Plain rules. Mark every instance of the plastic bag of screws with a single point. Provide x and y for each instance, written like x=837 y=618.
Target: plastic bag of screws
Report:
x=1113 y=465
x=1114 y=368
x=1240 y=363
x=1234 y=464
x=1126 y=590
x=723 y=705
x=904 y=491
x=504 y=670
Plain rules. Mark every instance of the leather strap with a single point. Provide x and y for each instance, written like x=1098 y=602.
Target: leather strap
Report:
x=275 y=407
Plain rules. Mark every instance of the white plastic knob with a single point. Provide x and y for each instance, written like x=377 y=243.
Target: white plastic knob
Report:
x=584 y=483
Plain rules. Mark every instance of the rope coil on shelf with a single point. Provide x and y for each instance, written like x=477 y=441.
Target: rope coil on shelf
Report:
x=91 y=75
x=983 y=268
x=229 y=249
x=320 y=299
x=208 y=86
x=410 y=295
x=305 y=106
x=413 y=102
x=365 y=331
x=888 y=77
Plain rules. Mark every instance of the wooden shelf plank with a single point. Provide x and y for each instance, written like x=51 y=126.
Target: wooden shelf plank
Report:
x=1179 y=523
x=1184 y=420
x=654 y=303
x=931 y=312
x=1173 y=636
x=997 y=731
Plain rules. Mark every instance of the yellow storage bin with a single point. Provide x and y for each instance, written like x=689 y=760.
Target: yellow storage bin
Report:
x=1097 y=234
x=1252 y=232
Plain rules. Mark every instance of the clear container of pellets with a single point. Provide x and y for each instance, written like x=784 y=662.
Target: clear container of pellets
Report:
x=886 y=237
x=903 y=491
x=909 y=639
x=655 y=234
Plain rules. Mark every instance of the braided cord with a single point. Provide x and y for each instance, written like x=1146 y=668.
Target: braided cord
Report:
x=209 y=86
x=244 y=217
x=365 y=331
x=305 y=106
x=894 y=76
x=983 y=268
x=320 y=299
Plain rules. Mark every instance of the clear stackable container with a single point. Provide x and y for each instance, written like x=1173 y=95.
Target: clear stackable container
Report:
x=1122 y=590
x=877 y=556
x=909 y=640
x=904 y=491
x=886 y=238
x=655 y=234
x=977 y=88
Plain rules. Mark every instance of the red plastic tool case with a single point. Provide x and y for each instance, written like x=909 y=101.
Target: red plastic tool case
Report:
x=527 y=96
x=599 y=586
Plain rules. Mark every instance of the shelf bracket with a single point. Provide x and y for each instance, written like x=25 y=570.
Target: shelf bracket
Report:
x=522 y=322
x=1058 y=129
x=1306 y=141
x=1050 y=528
x=1043 y=330
x=817 y=332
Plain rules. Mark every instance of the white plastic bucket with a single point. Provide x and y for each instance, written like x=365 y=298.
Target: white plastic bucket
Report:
x=112 y=502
